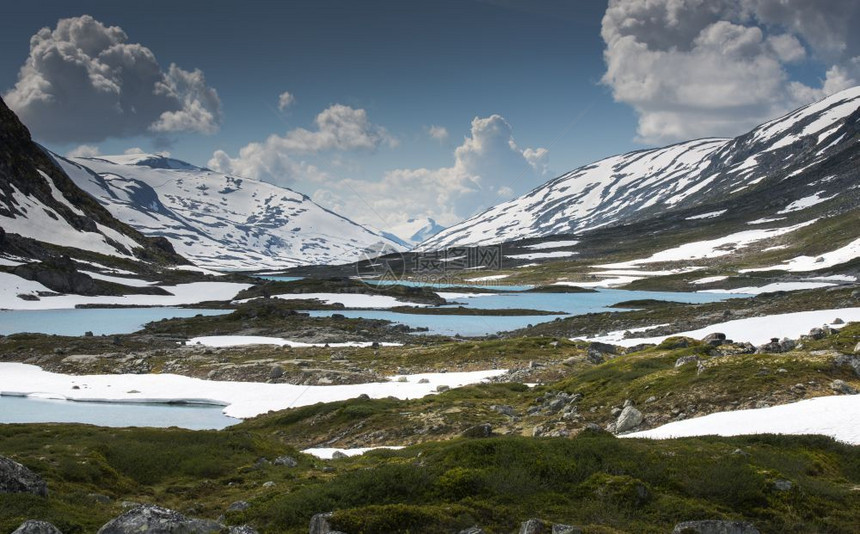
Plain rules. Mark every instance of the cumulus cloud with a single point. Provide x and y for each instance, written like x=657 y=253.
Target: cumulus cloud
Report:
x=84 y=151
x=439 y=133
x=133 y=150
x=338 y=127
x=695 y=68
x=285 y=100
x=489 y=167
x=84 y=82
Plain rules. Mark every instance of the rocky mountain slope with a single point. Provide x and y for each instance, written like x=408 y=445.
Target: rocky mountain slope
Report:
x=220 y=221
x=43 y=214
x=806 y=158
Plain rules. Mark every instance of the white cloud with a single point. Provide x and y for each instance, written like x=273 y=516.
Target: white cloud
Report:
x=285 y=100
x=84 y=82
x=439 y=133
x=695 y=68
x=338 y=127
x=488 y=168
x=84 y=151
x=134 y=150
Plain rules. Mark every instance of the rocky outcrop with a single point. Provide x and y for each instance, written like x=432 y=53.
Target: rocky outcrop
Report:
x=712 y=526
x=158 y=520
x=320 y=524
x=15 y=478
x=36 y=527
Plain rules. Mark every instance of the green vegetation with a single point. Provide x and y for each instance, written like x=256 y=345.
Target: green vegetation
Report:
x=594 y=480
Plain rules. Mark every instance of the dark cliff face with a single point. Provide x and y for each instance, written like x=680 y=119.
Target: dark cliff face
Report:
x=21 y=161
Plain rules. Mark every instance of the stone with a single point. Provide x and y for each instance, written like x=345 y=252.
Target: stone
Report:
x=504 y=409
x=838 y=321
x=36 y=527
x=244 y=529
x=565 y=529
x=782 y=484
x=442 y=389
x=532 y=526
x=840 y=386
x=320 y=525
x=337 y=455
x=238 y=506
x=276 y=372
x=849 y=360
x=155 y=519
x=288 y=461
x=472 y=530
x=713 y=526
x=715 y=340
x=684 y=360
x=817 y=333
x=628 y=419
x=15 y=478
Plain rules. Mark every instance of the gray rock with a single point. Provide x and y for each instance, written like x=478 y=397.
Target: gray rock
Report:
x=238 y=506
x=504 y=409
x=157 y=520
x=244 y=529
x=532 y=526
x=36 y=527
x=15 y=478
x=817 y=333
x=442 y=389
x=276 y=372
x=712 y=526
x=566 y=529
x=782 y=484
x=472 y=530
x=840 y=386
x=288 y=461
x=849 y=360
x=684 y=360
x=716 y=339
x=337 y=455
x=320 y=525
x=629 y=419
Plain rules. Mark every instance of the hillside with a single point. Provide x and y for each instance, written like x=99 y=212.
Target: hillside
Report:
x=803 y=159
x=220 y=221
x=44 y=214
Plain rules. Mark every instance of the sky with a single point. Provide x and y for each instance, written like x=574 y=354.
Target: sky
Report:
x=386 y=111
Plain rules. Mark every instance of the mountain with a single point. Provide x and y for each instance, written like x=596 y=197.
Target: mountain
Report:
x=44 y=215
x=220 y=221
x=789 y=164
x=414 y=231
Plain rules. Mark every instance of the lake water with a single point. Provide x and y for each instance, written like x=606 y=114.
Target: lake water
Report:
x=30 y=410
x=280 y=278
x=481 y=325
x=99 y=321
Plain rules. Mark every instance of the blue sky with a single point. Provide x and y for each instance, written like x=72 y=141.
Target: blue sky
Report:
x=533 y=74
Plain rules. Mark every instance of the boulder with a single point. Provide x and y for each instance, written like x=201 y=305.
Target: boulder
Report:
x=472 y=530
x=288 y=461
x=712 y=526
x=36 y=527
x=532 y=526
x=238 y=506
x=716 y=339
x=244 y=529
x=849 y=360
x=684 y=360
x=320 y=524
x=157 y=520
x=566 y=529
x=629 y=419
x=15 y=478
x=842 y=387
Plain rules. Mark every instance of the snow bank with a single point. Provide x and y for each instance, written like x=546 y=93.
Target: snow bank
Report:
x=756 y=330
x=11 y=286
x=814 y=263
x=240 y=341
x=770 y=288
x=834 y=416
x=242 y=399
x=488 y=278
x=328 y=453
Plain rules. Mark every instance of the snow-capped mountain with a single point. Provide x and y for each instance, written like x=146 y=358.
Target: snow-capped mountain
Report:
x=220 y=221
x=41 y=209
x=414 y=231
x=810 y=152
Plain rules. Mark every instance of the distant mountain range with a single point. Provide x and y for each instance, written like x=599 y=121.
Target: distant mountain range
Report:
x=414 y=231
x=220 y=221
x=806 y=158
